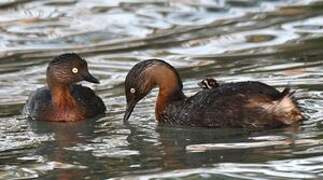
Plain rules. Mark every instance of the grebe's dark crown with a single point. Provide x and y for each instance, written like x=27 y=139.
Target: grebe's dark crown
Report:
x=135 y=74
x=67 y=57
x=69 y=68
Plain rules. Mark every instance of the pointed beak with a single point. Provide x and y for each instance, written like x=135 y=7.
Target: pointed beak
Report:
x=130 y=107
x=90 y=78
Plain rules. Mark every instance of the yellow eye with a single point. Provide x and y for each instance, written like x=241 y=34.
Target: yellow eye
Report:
x=132 y=90
x=75 y=70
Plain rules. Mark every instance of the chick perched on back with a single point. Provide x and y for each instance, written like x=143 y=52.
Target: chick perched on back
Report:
x=208 y=83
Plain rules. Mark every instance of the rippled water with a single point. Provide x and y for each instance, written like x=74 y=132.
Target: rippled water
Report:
x=275 y=41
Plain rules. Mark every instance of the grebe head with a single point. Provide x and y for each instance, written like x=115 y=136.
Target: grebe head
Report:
x=67 y=69
x=146 y=75
x=208 y=83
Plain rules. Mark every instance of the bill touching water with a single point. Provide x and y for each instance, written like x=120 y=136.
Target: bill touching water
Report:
x=276 y=42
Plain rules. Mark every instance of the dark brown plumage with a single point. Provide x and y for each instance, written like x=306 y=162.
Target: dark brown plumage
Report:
x=63 y=100
x=242 y=104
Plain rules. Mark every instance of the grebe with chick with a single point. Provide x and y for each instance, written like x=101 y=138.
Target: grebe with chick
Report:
x=242 y=104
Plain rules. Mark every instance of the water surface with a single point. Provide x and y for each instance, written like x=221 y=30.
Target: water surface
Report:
x=278 y=42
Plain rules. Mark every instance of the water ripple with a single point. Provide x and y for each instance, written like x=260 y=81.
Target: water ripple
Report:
x=276 y=42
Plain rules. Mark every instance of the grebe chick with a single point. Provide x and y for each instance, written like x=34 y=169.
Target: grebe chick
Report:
x=208 y=83
x=63 y=100
x=241 y=104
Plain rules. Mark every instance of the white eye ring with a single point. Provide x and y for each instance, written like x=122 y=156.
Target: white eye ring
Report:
x=75 y=70
x=132 y=90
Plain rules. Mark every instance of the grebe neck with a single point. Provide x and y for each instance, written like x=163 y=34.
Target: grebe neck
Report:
x=61 y=95
x=170 y=87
